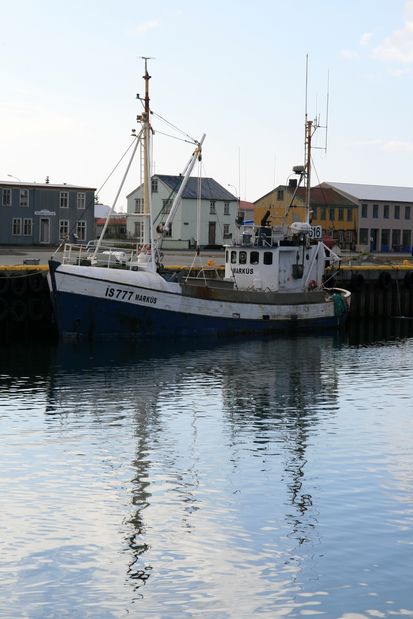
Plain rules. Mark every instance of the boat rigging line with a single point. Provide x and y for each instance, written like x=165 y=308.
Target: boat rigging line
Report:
x=192 y=140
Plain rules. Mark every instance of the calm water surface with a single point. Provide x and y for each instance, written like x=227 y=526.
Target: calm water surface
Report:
x=263 y=478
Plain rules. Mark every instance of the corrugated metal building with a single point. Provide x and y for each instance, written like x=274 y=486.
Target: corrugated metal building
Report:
x=385 y=215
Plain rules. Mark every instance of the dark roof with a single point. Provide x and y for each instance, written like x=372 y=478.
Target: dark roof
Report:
x=45 y=185
x=210 y=189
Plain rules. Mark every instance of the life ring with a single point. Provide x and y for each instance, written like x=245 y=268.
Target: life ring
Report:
x=385 y=280
x=18 y=285
x=145 y=248
x=4 y=282
x=36 y=282
x=357 y=282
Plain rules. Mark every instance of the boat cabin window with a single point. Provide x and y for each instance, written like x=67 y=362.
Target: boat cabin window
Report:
x=243 y=257
x=227 y=256
x=254 y=257
x=267 y=257
x=233 y=257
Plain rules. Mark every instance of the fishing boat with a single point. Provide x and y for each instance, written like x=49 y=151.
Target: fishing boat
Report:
x=276 y=278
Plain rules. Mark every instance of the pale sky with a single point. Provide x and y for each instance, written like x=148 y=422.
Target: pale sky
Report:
x=233 y=69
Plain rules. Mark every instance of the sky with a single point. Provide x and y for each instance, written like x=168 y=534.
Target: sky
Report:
x=234 y=70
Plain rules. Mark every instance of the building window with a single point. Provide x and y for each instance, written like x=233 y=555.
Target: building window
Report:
x=63 y=229
x=280 y=194
x=139 y=205
x=349 y=214
x=212 y=209
x=313 y=212
x=364 y=236
x=385 y=240
x=227 y=233
x=16 y=226
x=6 y=197
x=81 y=230
x=81 y=200
x=395 y=240
x=375 y=211
x=364 y=210
x=139 y=231
x=64 y=199
x=332 y=214
x=323 y=211
x=24 y=197
x=27 y=227
x=407 y=212
x=154 y=185
x=406 y=240
x=166 y=206
x=386 y=211
x=396 y=211
x=341 y=214
x=226 y=208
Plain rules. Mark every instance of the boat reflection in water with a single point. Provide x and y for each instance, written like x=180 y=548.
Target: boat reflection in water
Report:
x=173 y=481
x=221 y=434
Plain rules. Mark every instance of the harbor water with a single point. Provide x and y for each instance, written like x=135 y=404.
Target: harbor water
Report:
x=224 y=479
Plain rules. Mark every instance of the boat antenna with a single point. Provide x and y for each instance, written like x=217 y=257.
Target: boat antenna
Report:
x=327 y=104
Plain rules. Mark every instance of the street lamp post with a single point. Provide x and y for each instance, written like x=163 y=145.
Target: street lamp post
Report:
x=235 y=189
x=16 y=177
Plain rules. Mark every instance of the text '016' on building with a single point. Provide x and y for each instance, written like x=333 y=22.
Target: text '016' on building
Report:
x=45 y=213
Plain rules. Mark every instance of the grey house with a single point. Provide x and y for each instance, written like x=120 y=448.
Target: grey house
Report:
x=385 y=216
x=45 y=214
x=218 y=211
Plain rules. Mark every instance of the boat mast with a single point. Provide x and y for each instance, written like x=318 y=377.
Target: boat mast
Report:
x=308 y=136
x=307 y=148
x=147 y=131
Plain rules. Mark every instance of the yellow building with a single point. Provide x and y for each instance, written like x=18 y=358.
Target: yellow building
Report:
x=278 y=203
x=336 y=214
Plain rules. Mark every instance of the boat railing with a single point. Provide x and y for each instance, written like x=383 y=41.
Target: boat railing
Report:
x=262 y=236
x=103 y=255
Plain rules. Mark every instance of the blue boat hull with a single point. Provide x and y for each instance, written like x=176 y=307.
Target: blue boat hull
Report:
x=94 y=318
